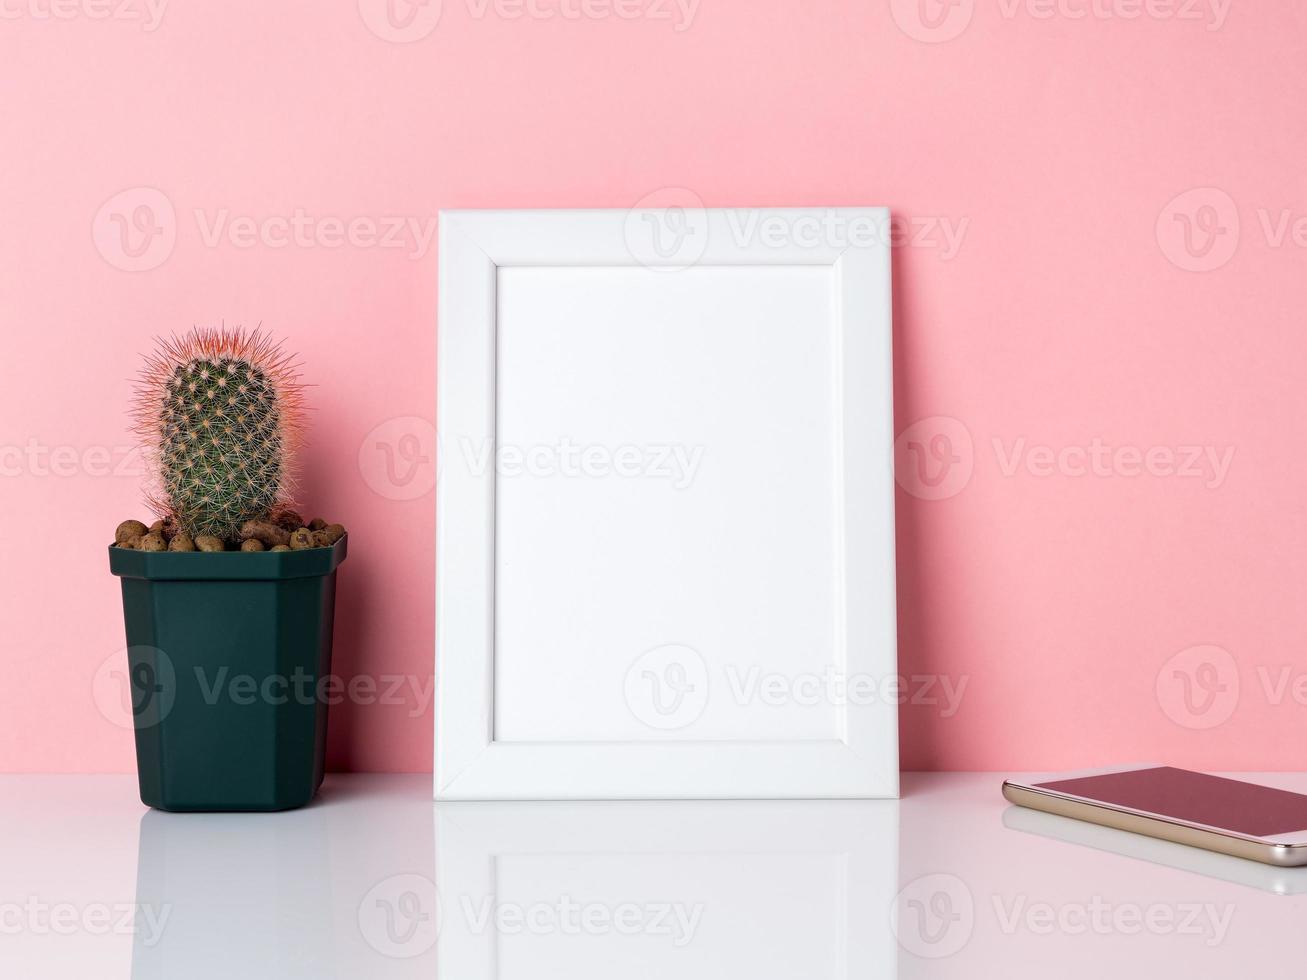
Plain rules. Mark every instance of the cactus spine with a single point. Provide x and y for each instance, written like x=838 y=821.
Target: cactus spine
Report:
x=219 y=412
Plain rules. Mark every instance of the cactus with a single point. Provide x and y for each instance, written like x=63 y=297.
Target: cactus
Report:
x=219 y=413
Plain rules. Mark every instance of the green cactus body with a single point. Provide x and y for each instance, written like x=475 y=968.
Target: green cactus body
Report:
x=219 y=411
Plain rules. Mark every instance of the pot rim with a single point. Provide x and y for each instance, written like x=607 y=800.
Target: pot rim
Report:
x=225 y=566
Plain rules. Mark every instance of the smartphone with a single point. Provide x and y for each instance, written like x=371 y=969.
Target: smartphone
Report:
x=1105 y=840
x=1226 y=815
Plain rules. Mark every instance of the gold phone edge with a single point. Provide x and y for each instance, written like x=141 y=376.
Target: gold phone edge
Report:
x=1107 y=815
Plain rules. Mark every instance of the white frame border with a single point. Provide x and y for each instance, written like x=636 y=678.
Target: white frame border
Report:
x=469 y=764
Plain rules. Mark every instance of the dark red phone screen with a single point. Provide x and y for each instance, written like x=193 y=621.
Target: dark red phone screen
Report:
x=1245 y=808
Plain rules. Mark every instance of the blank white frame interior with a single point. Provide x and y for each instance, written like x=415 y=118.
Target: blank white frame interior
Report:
x=665 y=522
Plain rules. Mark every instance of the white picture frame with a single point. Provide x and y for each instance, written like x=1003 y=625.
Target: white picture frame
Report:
x=665 y=506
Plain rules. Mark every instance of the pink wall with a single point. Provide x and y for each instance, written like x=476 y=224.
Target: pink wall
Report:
x=1054 y=324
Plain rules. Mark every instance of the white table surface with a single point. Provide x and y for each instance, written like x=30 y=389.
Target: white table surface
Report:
x=375 y=880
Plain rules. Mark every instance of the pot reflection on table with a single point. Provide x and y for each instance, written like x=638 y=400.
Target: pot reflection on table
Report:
x=284 y=895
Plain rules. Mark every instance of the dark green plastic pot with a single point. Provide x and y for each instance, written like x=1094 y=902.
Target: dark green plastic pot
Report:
x=229 y=659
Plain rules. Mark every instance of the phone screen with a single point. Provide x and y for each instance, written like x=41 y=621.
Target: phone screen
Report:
x=1229 y=804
